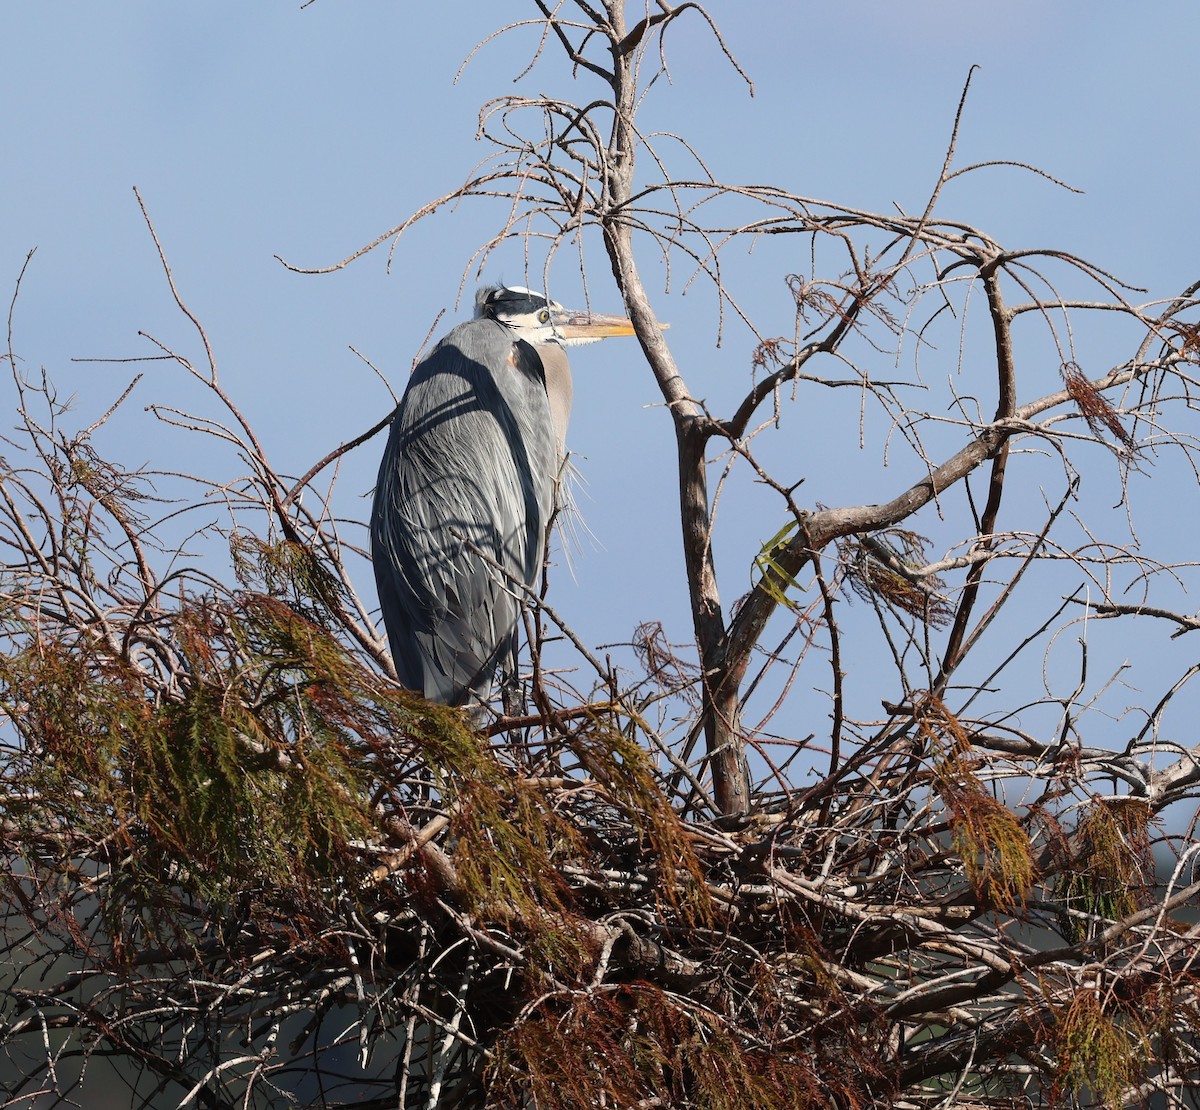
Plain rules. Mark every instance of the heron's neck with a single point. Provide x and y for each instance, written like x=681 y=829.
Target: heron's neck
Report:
x=559 y=389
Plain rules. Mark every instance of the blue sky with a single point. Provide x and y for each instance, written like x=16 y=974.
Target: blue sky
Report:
x=255 y=130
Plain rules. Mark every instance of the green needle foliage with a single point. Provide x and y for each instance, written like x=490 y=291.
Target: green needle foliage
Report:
x=1103 y=1049
x=1107 y=868
x=988 y=837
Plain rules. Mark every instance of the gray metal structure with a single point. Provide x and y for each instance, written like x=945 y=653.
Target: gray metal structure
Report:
x=467 y=486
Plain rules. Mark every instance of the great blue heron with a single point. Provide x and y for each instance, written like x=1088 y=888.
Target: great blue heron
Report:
x=467 y=486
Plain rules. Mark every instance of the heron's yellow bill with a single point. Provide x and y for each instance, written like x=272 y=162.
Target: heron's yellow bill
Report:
x=596 y=326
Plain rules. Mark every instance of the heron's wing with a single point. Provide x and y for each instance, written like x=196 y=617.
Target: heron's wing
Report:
x=461 y=505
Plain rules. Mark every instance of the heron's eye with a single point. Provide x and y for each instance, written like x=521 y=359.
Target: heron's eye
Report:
x=544 y=316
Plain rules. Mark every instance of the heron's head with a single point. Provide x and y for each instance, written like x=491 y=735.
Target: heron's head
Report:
x=539 y=320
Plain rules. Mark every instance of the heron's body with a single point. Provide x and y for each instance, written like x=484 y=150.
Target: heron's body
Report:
x=466 y=490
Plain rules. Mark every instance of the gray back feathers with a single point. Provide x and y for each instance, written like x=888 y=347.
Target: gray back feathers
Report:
x=469 y=467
